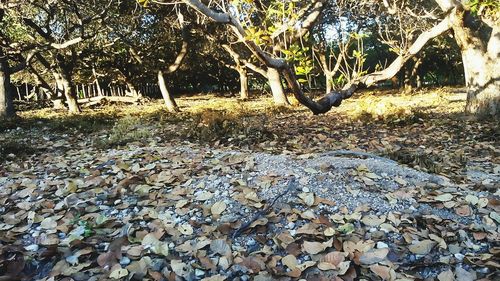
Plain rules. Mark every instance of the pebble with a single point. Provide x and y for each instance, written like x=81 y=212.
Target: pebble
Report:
x=290 y=225
x=124 y=261
x=251 y=242
x=32 y=248
x=459 y=257
x=382 y=245
x=199 y=273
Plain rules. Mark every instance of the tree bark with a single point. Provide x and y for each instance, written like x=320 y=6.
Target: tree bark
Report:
x=133 y=91
x=243 y=83
x=481 y=70
x=167 y=97
x=279 y=97
x=70 y=93
x=58 y=98
x=6 y=90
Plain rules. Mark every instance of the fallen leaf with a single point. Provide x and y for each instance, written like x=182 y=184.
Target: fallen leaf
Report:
x=374 y=256
x=422 y=247
x=218 y=208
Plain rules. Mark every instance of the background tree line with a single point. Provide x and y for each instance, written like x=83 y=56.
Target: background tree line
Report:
x=333 y=46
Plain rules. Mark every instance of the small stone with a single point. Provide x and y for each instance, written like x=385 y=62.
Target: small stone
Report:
x=251 y=242
x=199 y=272
x=459 y=257
x=290 y=225
x=124 y=261
x=305 y=189
x=382 y=245
x=157 y=264
x=32 y=248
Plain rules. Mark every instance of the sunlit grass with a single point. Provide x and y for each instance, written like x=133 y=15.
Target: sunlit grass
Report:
x=369 y=105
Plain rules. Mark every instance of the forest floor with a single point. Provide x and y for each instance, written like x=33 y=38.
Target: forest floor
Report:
x=385 y=187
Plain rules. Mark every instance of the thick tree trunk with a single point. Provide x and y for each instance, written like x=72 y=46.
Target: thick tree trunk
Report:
x=58 y=98
x=274 y=78
x=167 y=97
x=481 y=70
x=70 y=93
x=6 y=95
x=243 y=83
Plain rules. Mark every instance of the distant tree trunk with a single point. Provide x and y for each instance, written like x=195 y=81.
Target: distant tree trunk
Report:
x=415 y=77
x=6 y=95
x=243 y=83
x=58 y=98
x=133 y=91
x=279 y=97
x=167 y=97
x=70 y=92
x=407 y=79
x=329 y=81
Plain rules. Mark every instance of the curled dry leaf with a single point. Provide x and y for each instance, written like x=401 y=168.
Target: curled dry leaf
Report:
x=316 y=247
x=290 y=261
x=384 y=272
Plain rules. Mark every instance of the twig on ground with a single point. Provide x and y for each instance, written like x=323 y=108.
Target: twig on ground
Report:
x=291 y=185
x=358 y=154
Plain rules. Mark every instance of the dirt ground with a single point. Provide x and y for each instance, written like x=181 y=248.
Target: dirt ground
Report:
x=386 y=187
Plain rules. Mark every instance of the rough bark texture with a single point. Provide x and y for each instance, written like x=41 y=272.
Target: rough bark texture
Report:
x=481 y=67
x=167 y=97
x=70 y=93
x=279 y=97
x=58 y=98
x=6 y=95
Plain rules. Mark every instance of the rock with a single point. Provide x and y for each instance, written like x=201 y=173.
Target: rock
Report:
x=381 y=245
x=124 y=261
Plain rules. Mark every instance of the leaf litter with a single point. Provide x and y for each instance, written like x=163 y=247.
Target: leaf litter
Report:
x=170 y=212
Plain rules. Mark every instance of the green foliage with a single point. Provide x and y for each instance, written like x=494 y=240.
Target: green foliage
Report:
x=487 y=7
x=299 y=56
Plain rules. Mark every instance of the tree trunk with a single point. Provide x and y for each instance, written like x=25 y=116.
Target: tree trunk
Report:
x=274 y=78
x=133 y=91
x=58 y=99
x=70 y=93
x=6 y=96
x=167 y=97
x=481 y=71
x=243 y=83
x=329 y=81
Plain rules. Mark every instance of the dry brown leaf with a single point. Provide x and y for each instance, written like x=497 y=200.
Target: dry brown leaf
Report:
x=422 y=247
x=290 y=261
x=218 y=208
x=221 y=247
x=446 y=276
x=374 y=256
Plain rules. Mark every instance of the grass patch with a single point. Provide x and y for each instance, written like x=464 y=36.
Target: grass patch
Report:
x=126 y=130
x=216 y=125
